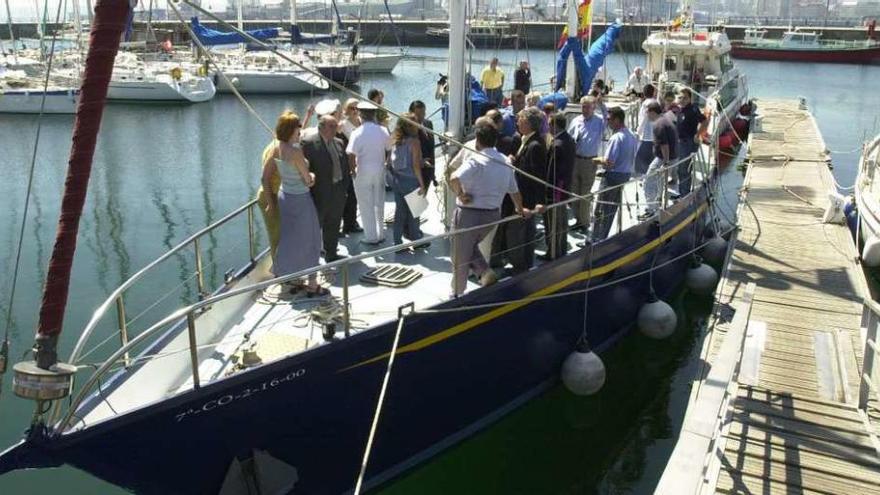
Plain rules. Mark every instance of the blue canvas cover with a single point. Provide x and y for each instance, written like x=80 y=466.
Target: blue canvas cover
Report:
x=211 y=37
x=586 y=65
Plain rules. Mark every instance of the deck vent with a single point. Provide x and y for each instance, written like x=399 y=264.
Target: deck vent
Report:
x=391 y=275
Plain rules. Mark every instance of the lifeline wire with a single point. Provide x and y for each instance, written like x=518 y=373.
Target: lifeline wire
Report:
x=30 y=184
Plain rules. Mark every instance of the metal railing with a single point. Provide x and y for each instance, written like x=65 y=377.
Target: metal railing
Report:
x=189 y=313
x=117 y=297
x=869 y=385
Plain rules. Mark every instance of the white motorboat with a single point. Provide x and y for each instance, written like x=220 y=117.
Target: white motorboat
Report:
x=700 y=59
x=20 y=93
x=867 y=197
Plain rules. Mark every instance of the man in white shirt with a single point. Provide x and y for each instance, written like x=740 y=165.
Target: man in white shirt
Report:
x=367 y=152
x=645 y=132
x=480 y=185
x=636 y=83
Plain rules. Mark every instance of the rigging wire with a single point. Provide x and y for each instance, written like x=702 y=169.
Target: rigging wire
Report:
x=357 y=95
x=4 y=346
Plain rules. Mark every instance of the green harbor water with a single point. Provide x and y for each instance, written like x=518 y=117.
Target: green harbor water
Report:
x=162 y=172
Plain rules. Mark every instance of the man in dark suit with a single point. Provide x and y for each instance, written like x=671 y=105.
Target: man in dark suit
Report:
x=559 y=173
x=531 y=158
x=327 y=160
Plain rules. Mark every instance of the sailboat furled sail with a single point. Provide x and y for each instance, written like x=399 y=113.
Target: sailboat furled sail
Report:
x=586 y=64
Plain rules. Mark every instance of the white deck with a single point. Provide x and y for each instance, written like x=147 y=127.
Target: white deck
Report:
x=276 y=324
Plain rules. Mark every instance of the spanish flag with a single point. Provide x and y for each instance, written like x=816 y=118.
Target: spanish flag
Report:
x=585 y=19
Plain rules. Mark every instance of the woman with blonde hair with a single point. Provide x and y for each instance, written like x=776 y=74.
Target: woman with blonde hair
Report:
x=406 y=173
x=299 y=241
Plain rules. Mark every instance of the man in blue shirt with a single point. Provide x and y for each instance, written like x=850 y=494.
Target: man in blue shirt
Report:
x=517 y=103
x=586 y=130
x=618 y=163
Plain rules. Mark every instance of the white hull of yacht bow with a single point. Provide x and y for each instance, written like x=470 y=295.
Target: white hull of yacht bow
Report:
x=199 y=91
x=25 y=101
x=379 y=62
x=268 y=82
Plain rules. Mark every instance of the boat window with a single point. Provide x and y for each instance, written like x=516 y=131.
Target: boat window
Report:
x=671 y=63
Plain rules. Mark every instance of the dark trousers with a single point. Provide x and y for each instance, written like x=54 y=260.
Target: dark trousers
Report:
x=520 y=239
x=350 y=211
x=685 y=148
x=644 y=156
x=609 y=201
x=330 y=204
x=556 y=220
x=495 y=95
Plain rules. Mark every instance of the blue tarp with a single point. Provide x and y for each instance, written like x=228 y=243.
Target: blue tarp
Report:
x=558 y=99
x=478 y=99
x=586 y=65
x=210 y=37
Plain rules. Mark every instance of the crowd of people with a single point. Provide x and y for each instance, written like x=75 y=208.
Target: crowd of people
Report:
x=315 y=180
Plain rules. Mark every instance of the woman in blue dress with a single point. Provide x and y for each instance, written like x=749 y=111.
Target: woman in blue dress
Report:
x=299 y=244
x=406 y=173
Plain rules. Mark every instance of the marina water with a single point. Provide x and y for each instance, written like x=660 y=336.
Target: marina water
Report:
x=162 y=172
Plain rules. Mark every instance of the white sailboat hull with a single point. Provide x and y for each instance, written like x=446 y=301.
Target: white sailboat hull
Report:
x=31 y=101
x=269 y=82
x=193 y=91
x=378 y=62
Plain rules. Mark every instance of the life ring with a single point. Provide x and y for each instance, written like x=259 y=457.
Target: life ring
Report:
x=176 y=73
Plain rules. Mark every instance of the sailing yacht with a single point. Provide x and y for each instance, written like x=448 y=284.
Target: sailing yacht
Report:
x=250 y=388
x=23 y=87
x=20 y=93
x=867 y=202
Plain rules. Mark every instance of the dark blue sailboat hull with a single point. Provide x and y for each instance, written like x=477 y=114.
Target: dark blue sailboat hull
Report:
x=456 y=372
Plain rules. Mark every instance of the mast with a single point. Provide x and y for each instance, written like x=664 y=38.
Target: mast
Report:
x=11 y=34
x=571 y=86
x=457 y=86
x=40 y=29
x=292 y=13
x=106 y=31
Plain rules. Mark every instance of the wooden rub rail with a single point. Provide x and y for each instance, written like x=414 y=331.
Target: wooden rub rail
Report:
x=788 y=403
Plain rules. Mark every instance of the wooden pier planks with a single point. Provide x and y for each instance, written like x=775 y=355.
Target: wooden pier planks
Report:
x=782 y=435
x=790 y=430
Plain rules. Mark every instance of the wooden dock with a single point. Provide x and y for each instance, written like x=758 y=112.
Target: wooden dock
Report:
x=775 y=410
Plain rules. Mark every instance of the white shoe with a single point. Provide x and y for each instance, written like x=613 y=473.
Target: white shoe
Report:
x=488 y=278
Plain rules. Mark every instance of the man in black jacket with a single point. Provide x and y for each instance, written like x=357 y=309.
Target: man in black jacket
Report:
x=327 y=160
x=559 y=172
x=522 y=78
x=532 y=159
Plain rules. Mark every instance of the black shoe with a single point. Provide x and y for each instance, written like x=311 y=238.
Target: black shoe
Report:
x=424 y=245
x=354 y=229
x=545 y=257
x=646 y=215
x=334 y=257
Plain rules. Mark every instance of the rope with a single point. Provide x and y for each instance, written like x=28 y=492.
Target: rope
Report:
x=378 y=413
x=4 y=345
